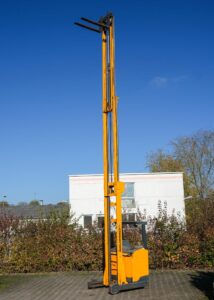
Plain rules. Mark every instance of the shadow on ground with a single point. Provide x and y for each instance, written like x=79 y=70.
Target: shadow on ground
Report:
x=204 y=281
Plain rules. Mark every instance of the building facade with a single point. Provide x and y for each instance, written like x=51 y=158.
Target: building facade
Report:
x=143 y=192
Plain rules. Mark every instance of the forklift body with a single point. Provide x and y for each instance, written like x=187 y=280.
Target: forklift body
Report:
x=125 y=267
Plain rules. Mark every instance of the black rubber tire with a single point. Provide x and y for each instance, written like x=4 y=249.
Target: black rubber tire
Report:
x=114 y=289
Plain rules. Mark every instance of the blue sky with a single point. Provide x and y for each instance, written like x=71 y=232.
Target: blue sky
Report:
x=50 y=87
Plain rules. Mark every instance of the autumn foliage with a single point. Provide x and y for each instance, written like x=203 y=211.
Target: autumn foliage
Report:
x=177 y=243
x=56 y=245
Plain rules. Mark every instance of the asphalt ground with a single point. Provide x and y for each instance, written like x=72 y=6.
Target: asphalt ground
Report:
x=163 y=285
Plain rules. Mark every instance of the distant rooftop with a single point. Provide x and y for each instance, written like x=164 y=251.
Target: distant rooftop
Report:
x=30 y=211
x=126 y=174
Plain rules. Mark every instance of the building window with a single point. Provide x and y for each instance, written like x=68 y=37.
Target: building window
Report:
x=100 y=221
x=130 y=217
x=128 y=199
x=87 y=220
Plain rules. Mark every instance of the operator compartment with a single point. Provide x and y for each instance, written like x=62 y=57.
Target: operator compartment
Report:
x=135 y=253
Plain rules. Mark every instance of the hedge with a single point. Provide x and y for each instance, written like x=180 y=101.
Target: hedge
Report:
x=56 y=245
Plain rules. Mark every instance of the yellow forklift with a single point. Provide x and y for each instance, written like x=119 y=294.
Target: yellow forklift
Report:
x=125 y=266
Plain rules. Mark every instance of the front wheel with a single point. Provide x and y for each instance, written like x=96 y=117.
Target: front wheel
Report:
x=114 y=289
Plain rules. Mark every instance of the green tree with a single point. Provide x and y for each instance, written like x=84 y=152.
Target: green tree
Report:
x=163 y=162
x=4 y=204
x=34 y=203
x=63 y=203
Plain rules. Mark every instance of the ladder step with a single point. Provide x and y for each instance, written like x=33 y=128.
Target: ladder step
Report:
x=113 y=220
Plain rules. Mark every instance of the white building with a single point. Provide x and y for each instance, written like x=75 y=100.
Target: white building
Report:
x=143 y=191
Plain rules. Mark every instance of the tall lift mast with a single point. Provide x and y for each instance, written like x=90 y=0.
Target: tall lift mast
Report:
x=115 y=274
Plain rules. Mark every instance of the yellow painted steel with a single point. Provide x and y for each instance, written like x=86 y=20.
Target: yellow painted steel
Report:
x=120 y=264
x=106 y=274
x=121 y=267
x=116 y=187
x=136 y=264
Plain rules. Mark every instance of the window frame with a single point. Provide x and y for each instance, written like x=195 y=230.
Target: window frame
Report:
x=84 y=223
x=131 y=198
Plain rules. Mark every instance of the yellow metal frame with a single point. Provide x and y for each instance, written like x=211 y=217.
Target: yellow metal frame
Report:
x=111 y=187
x=120 y=267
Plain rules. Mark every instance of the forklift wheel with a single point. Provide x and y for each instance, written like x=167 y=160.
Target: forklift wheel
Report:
x=114 y=289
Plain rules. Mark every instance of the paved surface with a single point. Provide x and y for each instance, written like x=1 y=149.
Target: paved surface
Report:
x=164 y=285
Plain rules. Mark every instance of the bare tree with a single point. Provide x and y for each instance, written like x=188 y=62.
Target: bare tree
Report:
x=196 y=153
